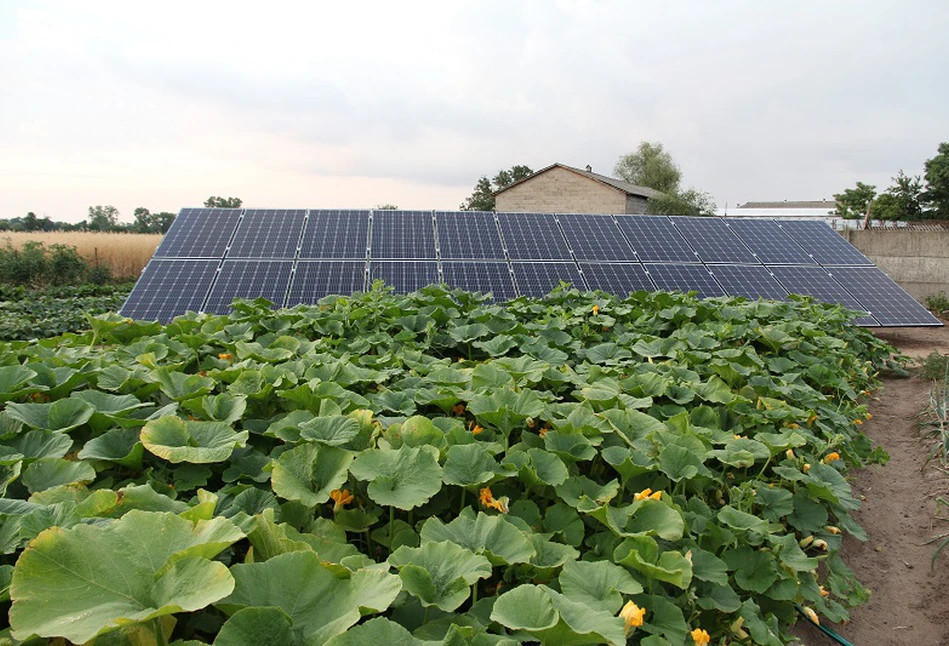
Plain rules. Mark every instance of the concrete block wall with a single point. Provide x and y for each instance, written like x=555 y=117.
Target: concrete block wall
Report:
x=917 y=260
x=561 y=191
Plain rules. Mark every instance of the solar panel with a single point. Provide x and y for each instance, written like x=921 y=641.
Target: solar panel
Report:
x=336 y=234
x=494 y=277
x=468 y=235
x=685 y=278
x=750 y=281
x=199 y=233
x=828 y=250
x=536 y=279
x=313 y=280
x=595 y=237
x=617 y=278
x=654 y=239
x=405 y=277
x=403 y=235
x=267 y=233
x=168 y=288
x=713 y=241
x=249 y=279
x=533 y=236
x=769 y=242
x=816 y=282
x=887 y=302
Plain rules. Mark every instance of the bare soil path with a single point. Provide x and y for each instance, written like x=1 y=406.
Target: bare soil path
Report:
x=908 y=604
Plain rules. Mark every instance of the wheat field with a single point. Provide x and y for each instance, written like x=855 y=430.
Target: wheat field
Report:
x=126 y=254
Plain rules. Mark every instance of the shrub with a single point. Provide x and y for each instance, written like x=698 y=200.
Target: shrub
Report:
x=66 y=266
x=938 y=303
x=23 y=266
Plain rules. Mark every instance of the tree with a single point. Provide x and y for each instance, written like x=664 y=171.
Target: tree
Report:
x=31 y=222
x=853 y=202
x=650 y=166
x=102 y=218
x=902 y=201
x=223 y=202
x=148 y=222
x=689 y=202
x=482 y=198
x=936 y=195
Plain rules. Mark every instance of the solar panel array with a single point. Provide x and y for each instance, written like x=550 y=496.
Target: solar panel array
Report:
x=292 y=256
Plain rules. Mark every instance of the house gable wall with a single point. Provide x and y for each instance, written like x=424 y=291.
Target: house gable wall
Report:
x=561 y=191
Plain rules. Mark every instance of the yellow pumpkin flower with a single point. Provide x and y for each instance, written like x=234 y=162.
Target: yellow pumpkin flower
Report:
x=485 y=496
x=225 y=356
x=458 y=409
x=789 y=454
x=632 y=616
x=341 y=498
x=812 y=419
x=477 y=429
x=858 y=422
x=823 y=591
x=812 y=615
x=793 y=425
x=807 y=467
x=642 y=495
x=832 y=529
x=596 y=310
x=701 y=637
x=830 y=457
x=656 y=496
x=869 y=416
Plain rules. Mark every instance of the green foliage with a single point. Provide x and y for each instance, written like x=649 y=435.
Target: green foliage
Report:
x=936 y=195
x=342 y=474
x=26 y=266
x=938 y=304
x=482 y=198
x=650 y=166
x=39 y=313
x=223 y=202
x=102 y=218
x=38 y=265
x=854 y=202
x=147 y=222
x=688 y=202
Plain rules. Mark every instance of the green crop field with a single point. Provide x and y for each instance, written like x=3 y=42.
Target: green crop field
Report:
x=436 y=469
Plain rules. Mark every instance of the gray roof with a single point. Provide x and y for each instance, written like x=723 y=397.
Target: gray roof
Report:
x=790 y=204
x=626 y=187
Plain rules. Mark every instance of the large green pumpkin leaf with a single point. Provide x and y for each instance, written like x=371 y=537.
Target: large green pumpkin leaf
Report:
x=33 y=445
x=380 y=631
x=494 y=536
x=504 y=409
x=526 y=607
x=120 y=445
x=598 y=584
x=309 y=472
x=267 y=626
x=404 y=478
x=469 y=465
x=439 y=574
x=47 y=473
x=61 y=415
x=333 y=430
x=13 y=381
x=642 y=554
x=319 y=603
x=142 y=566
x=177 y=440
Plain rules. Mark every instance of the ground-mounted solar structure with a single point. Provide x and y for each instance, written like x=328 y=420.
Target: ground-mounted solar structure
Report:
x=298 y=256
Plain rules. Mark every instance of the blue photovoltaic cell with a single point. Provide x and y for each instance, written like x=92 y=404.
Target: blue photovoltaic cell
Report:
x=267 y=233
x=685 y=278
x=404 y=277
x=887 y=302
x=826 y=245
x=654 y=239
x=168 y=288
x=494 y=277
x=472 y=235
x=750 y=281
x=816 y=282
x=538 y=278
x=199 y=233
x=713 y=241
x=617 y=278
x=533 y=236
x=336 y=234
x=249 y=279
x=595 y=237
x=769 y=242
x=400 y=235
x=314 y=280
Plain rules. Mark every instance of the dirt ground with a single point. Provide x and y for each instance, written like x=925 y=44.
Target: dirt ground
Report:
x=908 y=605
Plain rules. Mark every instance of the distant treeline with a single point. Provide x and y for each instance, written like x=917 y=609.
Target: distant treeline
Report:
x=101 y=218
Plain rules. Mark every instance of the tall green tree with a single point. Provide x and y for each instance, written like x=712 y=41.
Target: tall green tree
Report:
x=936 y=194
x=650 y=166
x=148 y=222
x=102 y=218
x=482 y=198
x=688 y=202
x=853 y=202
x=223 y=202
x=901 y=201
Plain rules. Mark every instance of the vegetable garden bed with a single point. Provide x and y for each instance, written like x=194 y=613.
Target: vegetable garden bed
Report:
x=436 y=468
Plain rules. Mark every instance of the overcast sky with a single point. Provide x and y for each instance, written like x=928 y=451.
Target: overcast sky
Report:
x=333 y=104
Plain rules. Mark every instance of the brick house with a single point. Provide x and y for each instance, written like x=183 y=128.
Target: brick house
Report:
x=564 y=189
